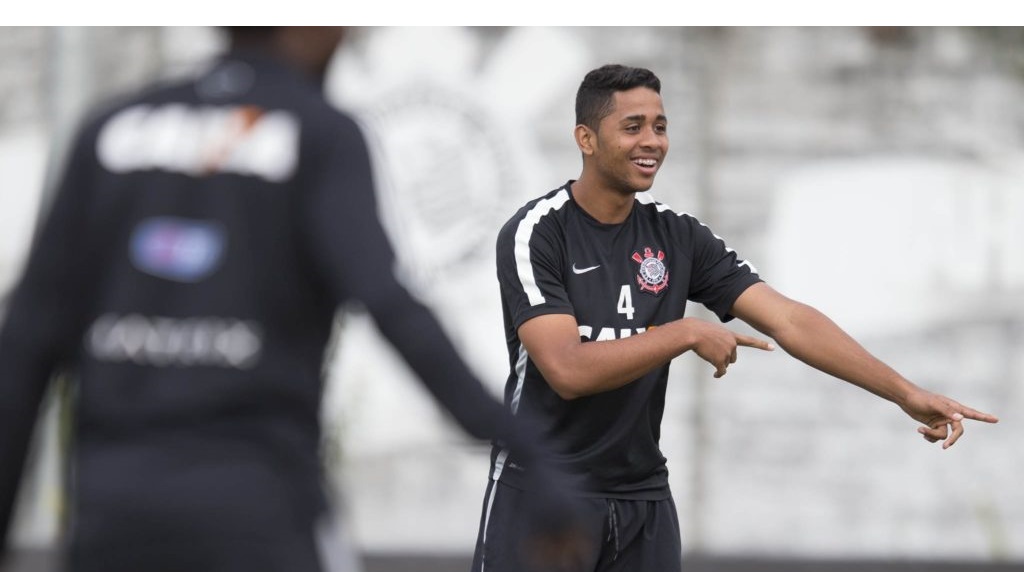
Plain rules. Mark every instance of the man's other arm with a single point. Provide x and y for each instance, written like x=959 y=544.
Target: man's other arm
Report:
x=813 y=338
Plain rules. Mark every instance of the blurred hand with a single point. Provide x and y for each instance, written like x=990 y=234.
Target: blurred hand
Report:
x=942 y=416
x=565 y=550
x=558 y=540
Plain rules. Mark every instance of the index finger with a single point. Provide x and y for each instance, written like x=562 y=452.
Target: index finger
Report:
x=978 y=415
x=752 y=342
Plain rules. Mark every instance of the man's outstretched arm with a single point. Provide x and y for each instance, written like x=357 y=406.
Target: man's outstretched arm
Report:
x=813 y=338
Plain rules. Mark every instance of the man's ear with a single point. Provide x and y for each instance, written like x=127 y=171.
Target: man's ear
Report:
x=586 y=138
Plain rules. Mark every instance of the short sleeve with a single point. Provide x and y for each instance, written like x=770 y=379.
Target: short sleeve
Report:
x=719 y=275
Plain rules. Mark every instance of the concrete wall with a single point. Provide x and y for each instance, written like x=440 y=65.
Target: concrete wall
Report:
x=874 y=173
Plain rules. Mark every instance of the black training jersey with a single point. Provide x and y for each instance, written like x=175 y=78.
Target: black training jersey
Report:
x=618 y=280
x=187 y=274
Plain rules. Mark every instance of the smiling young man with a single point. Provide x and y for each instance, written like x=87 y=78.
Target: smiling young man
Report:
x=594 y=279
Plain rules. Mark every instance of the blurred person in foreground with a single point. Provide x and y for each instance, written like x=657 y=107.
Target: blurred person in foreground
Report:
x=187 y=276
x=595 y=277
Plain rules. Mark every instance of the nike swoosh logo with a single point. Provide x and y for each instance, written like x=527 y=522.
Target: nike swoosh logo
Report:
x=583 y=270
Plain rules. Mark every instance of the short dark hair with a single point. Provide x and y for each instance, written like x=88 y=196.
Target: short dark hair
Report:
x=594 y=97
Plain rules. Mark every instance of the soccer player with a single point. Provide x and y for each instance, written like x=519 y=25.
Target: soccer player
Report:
x=594 y=279
x=202 y=236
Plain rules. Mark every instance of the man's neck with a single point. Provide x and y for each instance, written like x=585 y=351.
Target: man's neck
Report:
x=604 y=204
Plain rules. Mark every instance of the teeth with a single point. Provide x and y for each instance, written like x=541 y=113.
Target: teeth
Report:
x=645 y=162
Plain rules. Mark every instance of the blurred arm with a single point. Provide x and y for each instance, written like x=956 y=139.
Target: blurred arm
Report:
x=353 y=251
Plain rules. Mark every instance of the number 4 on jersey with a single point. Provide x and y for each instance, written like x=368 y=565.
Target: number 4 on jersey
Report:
x=625 y=303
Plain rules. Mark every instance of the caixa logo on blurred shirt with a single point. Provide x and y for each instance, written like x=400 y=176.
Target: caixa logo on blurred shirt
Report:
x=177 y=249
x=201 y=141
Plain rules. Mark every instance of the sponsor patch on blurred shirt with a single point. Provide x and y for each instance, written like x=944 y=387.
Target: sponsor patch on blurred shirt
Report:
x=177 y=249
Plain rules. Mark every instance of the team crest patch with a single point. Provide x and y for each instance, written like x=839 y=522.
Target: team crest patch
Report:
x=653 y=276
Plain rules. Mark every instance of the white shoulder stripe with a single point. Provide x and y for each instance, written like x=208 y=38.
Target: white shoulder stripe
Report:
x=522 y=244
x=645 y=198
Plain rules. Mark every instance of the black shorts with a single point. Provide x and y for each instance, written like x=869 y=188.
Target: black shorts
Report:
x=627 y=535
x=327 y=548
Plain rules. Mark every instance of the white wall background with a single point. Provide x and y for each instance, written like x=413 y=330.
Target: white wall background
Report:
x=875 y=173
